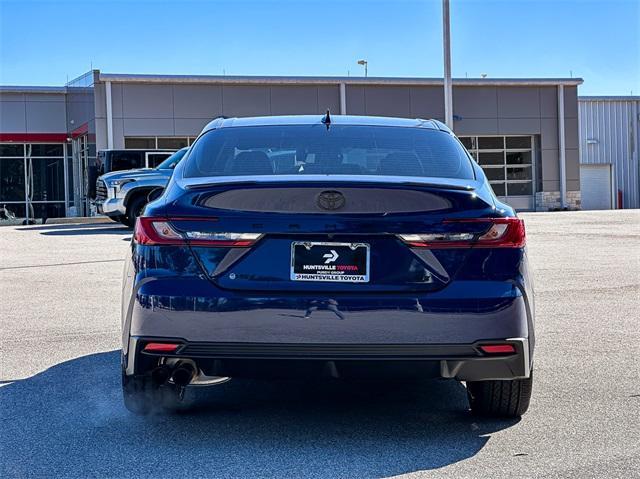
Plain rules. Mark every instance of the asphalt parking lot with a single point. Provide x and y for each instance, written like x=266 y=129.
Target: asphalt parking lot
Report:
x=62 y=413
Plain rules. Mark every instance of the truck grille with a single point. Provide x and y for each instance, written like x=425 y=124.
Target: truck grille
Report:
x=101 y=190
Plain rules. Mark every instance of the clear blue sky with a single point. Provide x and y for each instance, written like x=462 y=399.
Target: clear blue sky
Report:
x=46 y=42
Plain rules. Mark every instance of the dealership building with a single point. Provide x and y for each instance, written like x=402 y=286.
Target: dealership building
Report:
x=523 y=132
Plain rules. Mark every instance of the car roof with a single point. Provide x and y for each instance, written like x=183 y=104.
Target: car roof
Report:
x=354 y=120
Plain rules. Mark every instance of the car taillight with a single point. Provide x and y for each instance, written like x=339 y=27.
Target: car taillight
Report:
x=500 y=233
x=155 y=231
x=161 y=347
x=221 y=239
x=498 y=348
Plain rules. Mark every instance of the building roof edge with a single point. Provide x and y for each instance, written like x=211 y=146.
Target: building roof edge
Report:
x=319 y=80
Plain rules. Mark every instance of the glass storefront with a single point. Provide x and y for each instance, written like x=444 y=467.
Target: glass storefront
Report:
x=32 y=180
x=84 y=180
x=81 y=118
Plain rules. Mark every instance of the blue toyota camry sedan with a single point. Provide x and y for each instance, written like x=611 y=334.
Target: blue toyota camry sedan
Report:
x=328 y=246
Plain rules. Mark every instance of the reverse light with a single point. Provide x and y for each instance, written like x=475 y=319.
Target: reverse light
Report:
x=500 y=233
x=222 y=239
x=425 y=240
x=154 y=231
x=498 y=348
x=161 y=347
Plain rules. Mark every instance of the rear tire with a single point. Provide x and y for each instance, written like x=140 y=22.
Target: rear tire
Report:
x=505 y=399
x=135 y=208
x=142 y=397
x=125 y=221
x=117 y=218
x=137 y=394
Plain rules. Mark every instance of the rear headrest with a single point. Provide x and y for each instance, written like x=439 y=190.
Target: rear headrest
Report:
x=401 y=164
x=252 y=163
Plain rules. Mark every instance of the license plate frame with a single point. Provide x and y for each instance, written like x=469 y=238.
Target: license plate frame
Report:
x=330 y=270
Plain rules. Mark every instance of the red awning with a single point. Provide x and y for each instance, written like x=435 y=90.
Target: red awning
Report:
x=34 y=137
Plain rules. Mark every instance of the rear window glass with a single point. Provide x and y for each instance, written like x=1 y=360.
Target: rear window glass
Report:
x=126 y=160
x=339 y=150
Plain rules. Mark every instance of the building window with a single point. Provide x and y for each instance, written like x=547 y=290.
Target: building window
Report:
x=172 y=143
x=157 y=142
x=507 y=161
x=11 y=149
x=39 y=166
x=140 y=143
x=12 y=179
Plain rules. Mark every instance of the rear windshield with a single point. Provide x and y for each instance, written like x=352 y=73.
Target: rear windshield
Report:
x=339 y=150
x=126 y=160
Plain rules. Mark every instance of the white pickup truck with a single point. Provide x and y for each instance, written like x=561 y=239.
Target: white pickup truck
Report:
x=122 y=195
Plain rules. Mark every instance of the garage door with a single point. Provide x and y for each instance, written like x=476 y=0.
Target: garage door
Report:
x=508 y=163
x=595 y=186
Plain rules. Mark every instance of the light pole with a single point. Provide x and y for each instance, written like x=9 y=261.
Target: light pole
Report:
x=446 y=44
x=364 y=63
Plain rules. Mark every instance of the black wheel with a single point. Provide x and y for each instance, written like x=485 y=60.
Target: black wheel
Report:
x=134 y=208
x=507 y=399
x=138 y=394
x=125 y=221
x=116 y=218
x=142 y=397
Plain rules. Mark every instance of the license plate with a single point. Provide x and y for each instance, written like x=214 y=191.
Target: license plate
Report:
x=330 y=262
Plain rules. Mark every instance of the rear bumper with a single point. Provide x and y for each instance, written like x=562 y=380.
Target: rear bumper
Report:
x=435 y=334
x=193 y=309
x=465 y=362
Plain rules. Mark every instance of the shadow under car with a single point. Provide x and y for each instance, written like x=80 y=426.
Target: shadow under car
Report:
x=69 y=420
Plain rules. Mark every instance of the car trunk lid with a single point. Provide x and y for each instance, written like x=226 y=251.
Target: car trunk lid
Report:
x=329 y=236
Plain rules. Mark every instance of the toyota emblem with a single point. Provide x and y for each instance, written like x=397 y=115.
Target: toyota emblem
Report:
x=331 y=200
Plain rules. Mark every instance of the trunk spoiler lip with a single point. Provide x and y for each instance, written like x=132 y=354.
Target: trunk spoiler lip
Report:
x=429 y=182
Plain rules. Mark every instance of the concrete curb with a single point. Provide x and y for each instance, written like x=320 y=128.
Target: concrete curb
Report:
x=79 y=220
x=83 y=220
